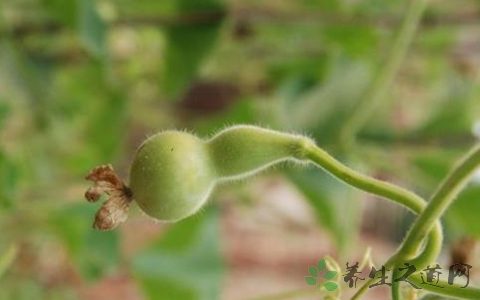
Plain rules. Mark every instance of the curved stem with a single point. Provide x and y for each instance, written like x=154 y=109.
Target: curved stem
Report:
x=386 y=190
x=440 y=200
x=363 y=182
x=431 y=250
x=428 y=218
x=386 y=76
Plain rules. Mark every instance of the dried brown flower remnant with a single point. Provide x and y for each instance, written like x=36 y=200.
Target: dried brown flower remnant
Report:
x=114 y=210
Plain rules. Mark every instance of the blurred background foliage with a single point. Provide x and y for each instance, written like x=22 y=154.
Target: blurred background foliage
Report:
x=83 y=82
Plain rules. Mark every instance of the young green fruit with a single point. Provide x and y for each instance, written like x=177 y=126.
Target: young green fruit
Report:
x=174 y=172
x=172 y=175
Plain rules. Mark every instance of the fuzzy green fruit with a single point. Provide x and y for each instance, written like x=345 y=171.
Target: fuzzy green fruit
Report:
x=171 y=175
x=174 y=172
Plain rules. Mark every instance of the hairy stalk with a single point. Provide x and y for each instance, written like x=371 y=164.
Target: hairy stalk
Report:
x=363 y=182
x=441 y=199
x=382 y=83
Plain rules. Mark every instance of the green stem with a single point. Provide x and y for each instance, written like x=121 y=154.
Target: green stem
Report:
x=379 y=188
x=395 y=290
x=428 y=218
x=382 y=83
x=363 y=182
x=431 y=251
x=445 y=194
x=440 y=201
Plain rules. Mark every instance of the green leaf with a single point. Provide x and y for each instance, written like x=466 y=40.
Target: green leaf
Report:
x=192 y=6
x=322 y=264
x=313 y=271
x=462 y=215
x=96 y=253
x=187 y=47
x=330 y=286
x=241 y=112
x=329 y=275
x=185 y=263
x=354 y=40
x=92 y=28
x=4 y=111
x=63 y=11
x=323 y=5
x=434 y=164
x=189 y=44
x=310 y=280
x=9 y=178
x=314 y=185
x=452 y=114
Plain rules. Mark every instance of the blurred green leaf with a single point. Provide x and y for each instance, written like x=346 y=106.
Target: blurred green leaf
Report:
x=96 y=253
x=194 y=6
x=4 y=111
x=356 y=41
x=433 y=167
x=189 y=44
x=452 y=118
x=310 y=184
x=462 y=216
x=97 y=115
x=185 y=263
x=298 y=74
x=9 y=177
x=323 y=108
x=92 y=28
x=26 y=76
x=63 y=11
x=106 y=125
x=323 y=5
x=241 y=112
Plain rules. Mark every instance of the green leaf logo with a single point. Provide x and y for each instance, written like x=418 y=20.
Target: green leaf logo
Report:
x=330 y=286
x=310 y=280
x=313 y=271
x=328 y=275
x=322 y=264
